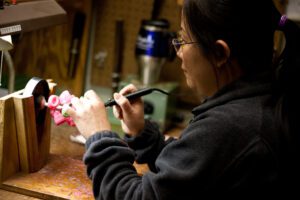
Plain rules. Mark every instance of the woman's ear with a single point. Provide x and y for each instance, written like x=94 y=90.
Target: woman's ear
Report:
x=223 y=53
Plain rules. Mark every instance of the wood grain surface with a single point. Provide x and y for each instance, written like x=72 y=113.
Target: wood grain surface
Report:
x=8 y=132
x=63 y=176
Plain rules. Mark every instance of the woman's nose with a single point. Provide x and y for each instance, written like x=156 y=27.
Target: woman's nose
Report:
x=179 y=53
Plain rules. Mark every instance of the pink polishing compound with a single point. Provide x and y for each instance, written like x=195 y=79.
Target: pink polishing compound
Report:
x=65 y=97
x=54 y=101
x=57 y=117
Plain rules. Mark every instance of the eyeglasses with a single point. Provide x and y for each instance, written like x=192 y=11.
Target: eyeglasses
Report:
x=178 y=42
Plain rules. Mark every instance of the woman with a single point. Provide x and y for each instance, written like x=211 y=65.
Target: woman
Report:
x=241 y=142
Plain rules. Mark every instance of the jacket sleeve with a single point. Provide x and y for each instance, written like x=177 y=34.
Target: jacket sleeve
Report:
x=197 y=163
x=148 y=144
x=109 y=163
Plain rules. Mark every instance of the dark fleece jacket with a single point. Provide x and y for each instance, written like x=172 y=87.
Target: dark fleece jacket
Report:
x=231 y=148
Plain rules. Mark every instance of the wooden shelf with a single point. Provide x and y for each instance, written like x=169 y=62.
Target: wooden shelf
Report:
x=31 y=15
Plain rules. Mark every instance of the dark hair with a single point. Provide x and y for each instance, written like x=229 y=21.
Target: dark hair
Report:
x=244 y=26
x=248 y=28
x=286 y=76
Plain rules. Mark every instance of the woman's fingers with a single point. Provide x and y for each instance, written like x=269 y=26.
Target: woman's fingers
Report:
x=77 y=104
x=69 y=110
x=93 y=98
x=128 y=89
x=89 y=114
x=123 y=102
x=82 y=104
x=117 y=112
x=91 y=95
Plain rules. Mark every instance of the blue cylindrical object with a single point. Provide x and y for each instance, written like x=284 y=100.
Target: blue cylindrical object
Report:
x=153 y=39
x=152 y=49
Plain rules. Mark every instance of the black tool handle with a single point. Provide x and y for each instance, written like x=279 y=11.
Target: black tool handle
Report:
x=78 y=27
x=118 y=55
x=1 y=4
x=131 y=96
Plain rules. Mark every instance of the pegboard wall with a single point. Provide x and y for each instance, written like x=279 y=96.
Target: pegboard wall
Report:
x=132 y=12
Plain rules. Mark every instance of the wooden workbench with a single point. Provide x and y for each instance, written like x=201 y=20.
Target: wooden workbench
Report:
x=64 y=175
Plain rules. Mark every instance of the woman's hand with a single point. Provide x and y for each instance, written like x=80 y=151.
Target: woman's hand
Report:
x=89 y=114
x=131 y=113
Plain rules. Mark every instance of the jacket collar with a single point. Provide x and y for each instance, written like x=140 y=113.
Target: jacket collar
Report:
x=242 y=88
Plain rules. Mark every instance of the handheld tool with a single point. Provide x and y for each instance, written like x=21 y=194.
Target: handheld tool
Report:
x=135 y=95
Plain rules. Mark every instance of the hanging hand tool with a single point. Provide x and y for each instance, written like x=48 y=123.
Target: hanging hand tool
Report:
x=77 y=33
x=118 y=55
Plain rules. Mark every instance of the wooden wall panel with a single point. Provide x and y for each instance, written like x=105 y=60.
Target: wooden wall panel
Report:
x=45 y=52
